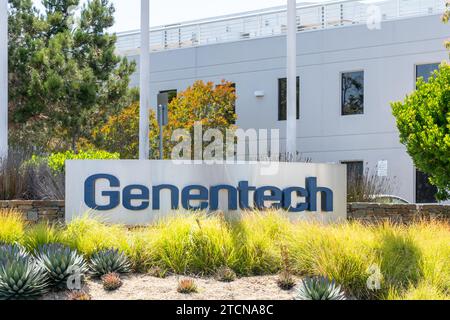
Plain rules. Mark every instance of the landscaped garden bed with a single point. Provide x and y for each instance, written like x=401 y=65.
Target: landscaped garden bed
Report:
x=188 y=255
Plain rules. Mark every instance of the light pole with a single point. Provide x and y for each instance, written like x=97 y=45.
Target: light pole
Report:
x=144 y=81
x=3 y=79
x=291 y=112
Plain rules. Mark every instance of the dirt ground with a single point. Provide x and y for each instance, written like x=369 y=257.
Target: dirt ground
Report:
x=144 y=287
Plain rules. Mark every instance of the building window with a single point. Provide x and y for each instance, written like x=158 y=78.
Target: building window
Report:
x=355 y=170
x=172 y=94
x=425 y=191
x=425 y=71
x=355 y=175
x=352 y=93
x=282 y=99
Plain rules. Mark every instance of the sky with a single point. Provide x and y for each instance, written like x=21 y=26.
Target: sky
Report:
x=163 y=12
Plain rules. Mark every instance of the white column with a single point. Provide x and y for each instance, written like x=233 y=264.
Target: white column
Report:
x=291 y=123
x=3 y=78
x=144 y=81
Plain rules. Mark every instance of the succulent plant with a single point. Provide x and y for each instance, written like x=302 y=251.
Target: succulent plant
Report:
x=9 y=251
x=319 y=288
x=109 y=261
x=111 y=281
x=187 y=286
x=225 y=274
x=60 y=262
x=79 y=296
x=285 y=280
x=20 y=276
x=157 y=272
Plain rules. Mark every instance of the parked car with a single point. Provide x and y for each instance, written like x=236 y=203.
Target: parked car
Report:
x=389 y=199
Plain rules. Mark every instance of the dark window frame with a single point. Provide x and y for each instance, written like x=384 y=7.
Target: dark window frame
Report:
x=169 y=91
x=430 y=191
x=283 y=116
x=416 y=73
x=345 y=113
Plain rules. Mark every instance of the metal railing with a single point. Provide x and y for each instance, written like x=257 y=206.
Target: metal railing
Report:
x=273 y=22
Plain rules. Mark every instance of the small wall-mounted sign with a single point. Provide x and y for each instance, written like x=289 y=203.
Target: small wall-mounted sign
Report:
x=382 y=168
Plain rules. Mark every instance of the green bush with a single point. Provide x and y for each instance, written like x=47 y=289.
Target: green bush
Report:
x=56 y=161
x=423 y=120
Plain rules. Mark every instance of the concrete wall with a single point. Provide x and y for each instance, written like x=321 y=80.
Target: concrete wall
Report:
x=387 y=56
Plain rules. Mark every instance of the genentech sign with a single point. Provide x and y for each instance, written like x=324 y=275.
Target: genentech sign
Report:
x=140 y=192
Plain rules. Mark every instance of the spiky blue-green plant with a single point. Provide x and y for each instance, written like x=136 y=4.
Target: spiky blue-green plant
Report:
x=9 y=251
x=109 y=261
x=20 y=276
x=60 y=262
x=319 y=288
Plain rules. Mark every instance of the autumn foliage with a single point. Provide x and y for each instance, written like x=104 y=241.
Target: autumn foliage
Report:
x=204 y=102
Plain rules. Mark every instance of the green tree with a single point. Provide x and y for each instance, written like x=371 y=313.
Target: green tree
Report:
x=423 y=120
x=65 y=77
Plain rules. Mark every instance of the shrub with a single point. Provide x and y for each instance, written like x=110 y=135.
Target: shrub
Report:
x=56 y=161
x=12 y=226
x=60 y=263
x=79 y=295
x=225 y=274
x=368 y=187
x=20 y=276
x=187 y=286
x=88 y=236
x=41 y=234
x=157 y=272
x=14 y=178
x=109 y=261
x=319 y=289
x=25 y=177
x=423 y=119
x=285 y=280
x=257 y=238
x=111 y=281
x=193 y=242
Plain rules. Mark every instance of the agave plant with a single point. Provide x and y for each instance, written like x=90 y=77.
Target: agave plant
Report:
x=20 y=276
x=109 y=261
x=60 y=262
x=10 y=251
x=319 y=288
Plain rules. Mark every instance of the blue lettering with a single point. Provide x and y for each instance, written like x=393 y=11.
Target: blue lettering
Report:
x=232 y=197
x=287 y=199
x=129 y=196
x=326 y=196
x=276 y=195
x=137 y=197
x=187 y=197
x=89 y=192
x=174 y=196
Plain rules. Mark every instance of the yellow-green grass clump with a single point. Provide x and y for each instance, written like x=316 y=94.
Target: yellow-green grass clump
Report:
x=413 y=261
x=12 y=226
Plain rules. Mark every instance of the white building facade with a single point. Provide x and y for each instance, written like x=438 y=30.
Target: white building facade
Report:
x=353 y=58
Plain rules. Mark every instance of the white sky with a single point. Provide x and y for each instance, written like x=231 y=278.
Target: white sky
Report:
x=171 y=11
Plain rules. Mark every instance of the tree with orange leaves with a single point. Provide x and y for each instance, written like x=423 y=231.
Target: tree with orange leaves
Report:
x=204 y=102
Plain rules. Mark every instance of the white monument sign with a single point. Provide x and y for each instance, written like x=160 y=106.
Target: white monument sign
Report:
x=140 y=192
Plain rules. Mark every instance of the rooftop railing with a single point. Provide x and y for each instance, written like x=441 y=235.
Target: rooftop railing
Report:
x=273 y=22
